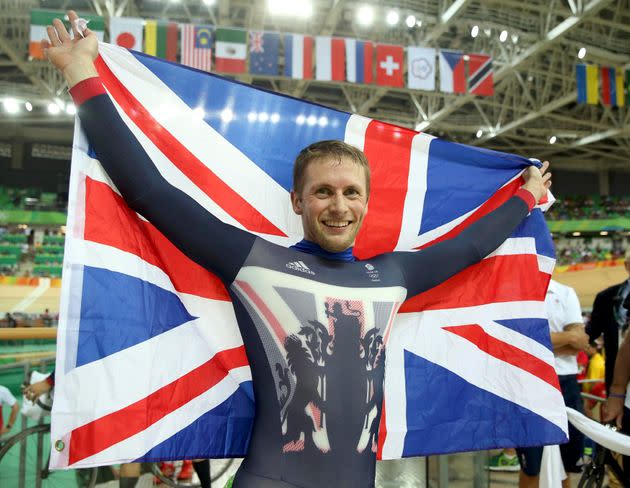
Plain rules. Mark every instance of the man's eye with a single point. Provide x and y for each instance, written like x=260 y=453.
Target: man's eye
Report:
x=351 y=192
x=323 y=191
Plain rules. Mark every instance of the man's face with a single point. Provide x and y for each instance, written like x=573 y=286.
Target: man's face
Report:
x=332 y=203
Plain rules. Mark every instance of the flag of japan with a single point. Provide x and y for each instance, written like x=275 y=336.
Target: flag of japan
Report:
x=126 y=32
x=389 y=65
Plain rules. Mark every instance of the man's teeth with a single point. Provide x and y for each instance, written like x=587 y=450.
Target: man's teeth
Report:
x=337 y=224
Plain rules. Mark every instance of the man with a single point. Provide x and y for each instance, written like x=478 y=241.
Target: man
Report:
x=7 y=398
x=568 y=338
x=609 y=318
x=617 y=406
x=314 y=320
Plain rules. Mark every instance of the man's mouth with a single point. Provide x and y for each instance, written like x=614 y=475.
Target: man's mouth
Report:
x=337 y=224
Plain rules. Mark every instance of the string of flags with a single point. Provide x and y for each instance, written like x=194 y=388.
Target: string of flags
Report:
x=323 y=58
x=602 y=84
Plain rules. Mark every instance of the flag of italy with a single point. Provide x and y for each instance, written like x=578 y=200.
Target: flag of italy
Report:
x=231 y=50
x=40 y=19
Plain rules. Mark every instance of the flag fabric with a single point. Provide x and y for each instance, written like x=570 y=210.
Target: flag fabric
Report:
x=231 y=50
x=160 y=39
x=421 y=68
x=580 y=81
x=592 y=84
x=452 y=72
x=619 y=88
x=41 y=18
x=126 y=32
x=330 y=58
x=197 y=46
x=298 y=56
x=609 y=97
x=389 y=65
x=359 y=61
x=264 y=48
x=627 y=87
x=480 y=79
x=131 y=302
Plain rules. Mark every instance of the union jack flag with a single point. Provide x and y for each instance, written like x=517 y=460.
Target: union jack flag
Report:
x=150 y=361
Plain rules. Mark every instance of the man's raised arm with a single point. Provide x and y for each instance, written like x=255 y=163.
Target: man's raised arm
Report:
x=201 y=236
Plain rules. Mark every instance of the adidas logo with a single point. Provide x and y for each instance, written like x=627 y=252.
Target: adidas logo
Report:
x=300 y=266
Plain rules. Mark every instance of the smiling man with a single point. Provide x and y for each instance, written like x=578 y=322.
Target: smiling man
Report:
x=314 y=320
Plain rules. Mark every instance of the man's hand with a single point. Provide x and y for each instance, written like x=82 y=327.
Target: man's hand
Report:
x=613 y=410
x=73 y=57
x=4 y=430
x=578 y=338
x=33 y=392
x=537 y=181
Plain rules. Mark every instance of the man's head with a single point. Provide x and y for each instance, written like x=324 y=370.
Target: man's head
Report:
x=331 y=187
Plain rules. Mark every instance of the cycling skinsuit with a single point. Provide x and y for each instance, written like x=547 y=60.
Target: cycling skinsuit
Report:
x=314 y=328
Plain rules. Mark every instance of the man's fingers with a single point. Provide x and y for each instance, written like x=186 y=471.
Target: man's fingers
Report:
x=544 y=167
x=52 y=35
x=61 y=30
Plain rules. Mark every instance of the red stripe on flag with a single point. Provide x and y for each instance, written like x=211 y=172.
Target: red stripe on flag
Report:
x=459 y=77
x=506 y=352
x=385 y=143
x=495 y=201
x=605 y=85
x=494 y=280
x=338 y=60
x=227 y=65
x=102 y=433
x=308 y=58
x=382 y=432
x=171 y=41
x=368 y=62
x=234 y=204
x=104 y=207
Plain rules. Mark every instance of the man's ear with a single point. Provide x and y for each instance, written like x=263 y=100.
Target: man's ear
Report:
x=296 y=202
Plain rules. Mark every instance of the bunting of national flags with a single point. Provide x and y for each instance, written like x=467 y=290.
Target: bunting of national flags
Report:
x=323 y=58
x=605 y=84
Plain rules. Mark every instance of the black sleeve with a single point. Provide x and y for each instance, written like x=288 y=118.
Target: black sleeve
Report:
x=431 y=266
x=595 y=326
x=205 y=239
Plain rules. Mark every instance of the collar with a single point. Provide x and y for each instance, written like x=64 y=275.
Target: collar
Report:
x=311 y=248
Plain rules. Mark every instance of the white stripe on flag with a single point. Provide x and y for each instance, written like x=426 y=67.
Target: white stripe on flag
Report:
x=297 y=56
x=351 y=59
x=323 y=57
x=241 y=174
x=355 y=131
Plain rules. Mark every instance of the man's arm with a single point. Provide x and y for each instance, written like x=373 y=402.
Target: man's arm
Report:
x=430 y=267
x=595 y=326
x=211 y=243
x=613 y=408
x=570 y=341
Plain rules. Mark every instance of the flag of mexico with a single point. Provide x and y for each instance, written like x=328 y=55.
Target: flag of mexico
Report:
x=231 y=50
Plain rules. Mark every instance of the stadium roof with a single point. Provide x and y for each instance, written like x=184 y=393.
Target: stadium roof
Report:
x=534 y=69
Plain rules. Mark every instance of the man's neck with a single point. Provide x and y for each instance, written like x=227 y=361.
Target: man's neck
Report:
x=310 y=247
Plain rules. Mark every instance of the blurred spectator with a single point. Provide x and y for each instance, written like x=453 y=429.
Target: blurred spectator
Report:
x=583 y=207
x=9 y=321
x=7 y=398
x=47 y=318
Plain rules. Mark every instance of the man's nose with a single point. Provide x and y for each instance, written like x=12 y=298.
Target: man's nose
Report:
x=338 y=203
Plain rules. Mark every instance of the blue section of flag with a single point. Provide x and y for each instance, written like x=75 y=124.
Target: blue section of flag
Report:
x=263 y=141
x=453 y=58
x=536 y=227
x=457 y=416
x=135 y=309
x=613 y=86
x=224 y=429
x=203 y=37
x=580 y=78
x=360 y=61
x=288 y=55
x=265 y=62
x=460 y=178
x=536 y=329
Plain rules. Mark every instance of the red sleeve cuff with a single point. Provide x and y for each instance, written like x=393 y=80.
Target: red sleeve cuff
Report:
x=51 y=379
x=86 y=89
x=527 y=197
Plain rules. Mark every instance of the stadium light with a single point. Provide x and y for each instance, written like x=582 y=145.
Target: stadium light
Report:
x=503 y=36
x=209 y=3
x=410 y=21
x=11 y=105
x=582 y=53
x=365 y=15
x=603 y=233
x=53 y=108
x=71 y=109
x=514 y=38
x=479 y=133
x=392 y=17
x=474 y=32
x=576 y=234
x=487 y=32
x=28 y=106
x=553 y=139
x=293 y=8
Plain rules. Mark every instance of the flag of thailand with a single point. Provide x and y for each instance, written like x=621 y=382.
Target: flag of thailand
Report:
x=298 y=56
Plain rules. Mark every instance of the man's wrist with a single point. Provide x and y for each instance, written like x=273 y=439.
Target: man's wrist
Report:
x=79 y=71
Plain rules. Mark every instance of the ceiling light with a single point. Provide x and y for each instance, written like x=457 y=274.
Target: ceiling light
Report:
x=365 y=15
x=53 y=108
x=603 y=233
x=392 y=17
x=11 y=105
x=553 y=139
x=71 y=109
x=582 y=53
x=576 y=234
x=479 y=133
x=503 y=36
x=474 y=32
x=209 y=3
x=487 y=32
x=293 y=8
x=28 y=106
x=410 y=21
x=514 y=38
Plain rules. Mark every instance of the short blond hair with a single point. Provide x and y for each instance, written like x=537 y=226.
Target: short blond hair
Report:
x=326 y=150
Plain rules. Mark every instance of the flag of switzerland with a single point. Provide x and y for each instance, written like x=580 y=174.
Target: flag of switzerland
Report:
x=389 y=65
